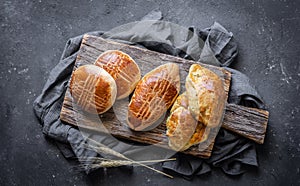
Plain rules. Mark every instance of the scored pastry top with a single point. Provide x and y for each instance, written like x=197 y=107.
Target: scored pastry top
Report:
x=93 y=89
x=122 y=68
x=153 y=96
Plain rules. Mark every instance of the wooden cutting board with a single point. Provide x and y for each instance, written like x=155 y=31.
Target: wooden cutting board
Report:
x=248 y=122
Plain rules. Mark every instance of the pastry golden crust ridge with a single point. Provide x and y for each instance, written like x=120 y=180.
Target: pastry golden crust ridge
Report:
x=122 y=68
x=93 y=89
x=153 y=96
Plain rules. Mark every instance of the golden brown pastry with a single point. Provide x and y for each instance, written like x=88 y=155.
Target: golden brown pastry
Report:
x=153 y=96
x=197 y=110
x=183 y=130
x=206 y=95
x=180 y=127
x=122 y=68
x=93 y=89
x=181 y=101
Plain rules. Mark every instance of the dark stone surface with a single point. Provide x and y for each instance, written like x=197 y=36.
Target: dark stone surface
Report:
x=33 y=34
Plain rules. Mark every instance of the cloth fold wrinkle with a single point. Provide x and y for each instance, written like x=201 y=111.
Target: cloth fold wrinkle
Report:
x=160 y=36
x=186 y=44
x=221 y=43
x=241 y=93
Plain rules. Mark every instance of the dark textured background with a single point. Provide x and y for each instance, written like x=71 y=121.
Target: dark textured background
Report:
x=33 y=34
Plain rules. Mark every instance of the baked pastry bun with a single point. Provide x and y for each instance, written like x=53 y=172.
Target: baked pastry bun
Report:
x=122 y=68
x=205 y=93
x=93 y=89
x=183 y=130
x=153 y=96
x=196 y=111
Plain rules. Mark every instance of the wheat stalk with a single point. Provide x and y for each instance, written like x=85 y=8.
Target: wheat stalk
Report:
x=114 y=163
x=95 y=159
x=100 y=148
x=103 y=162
